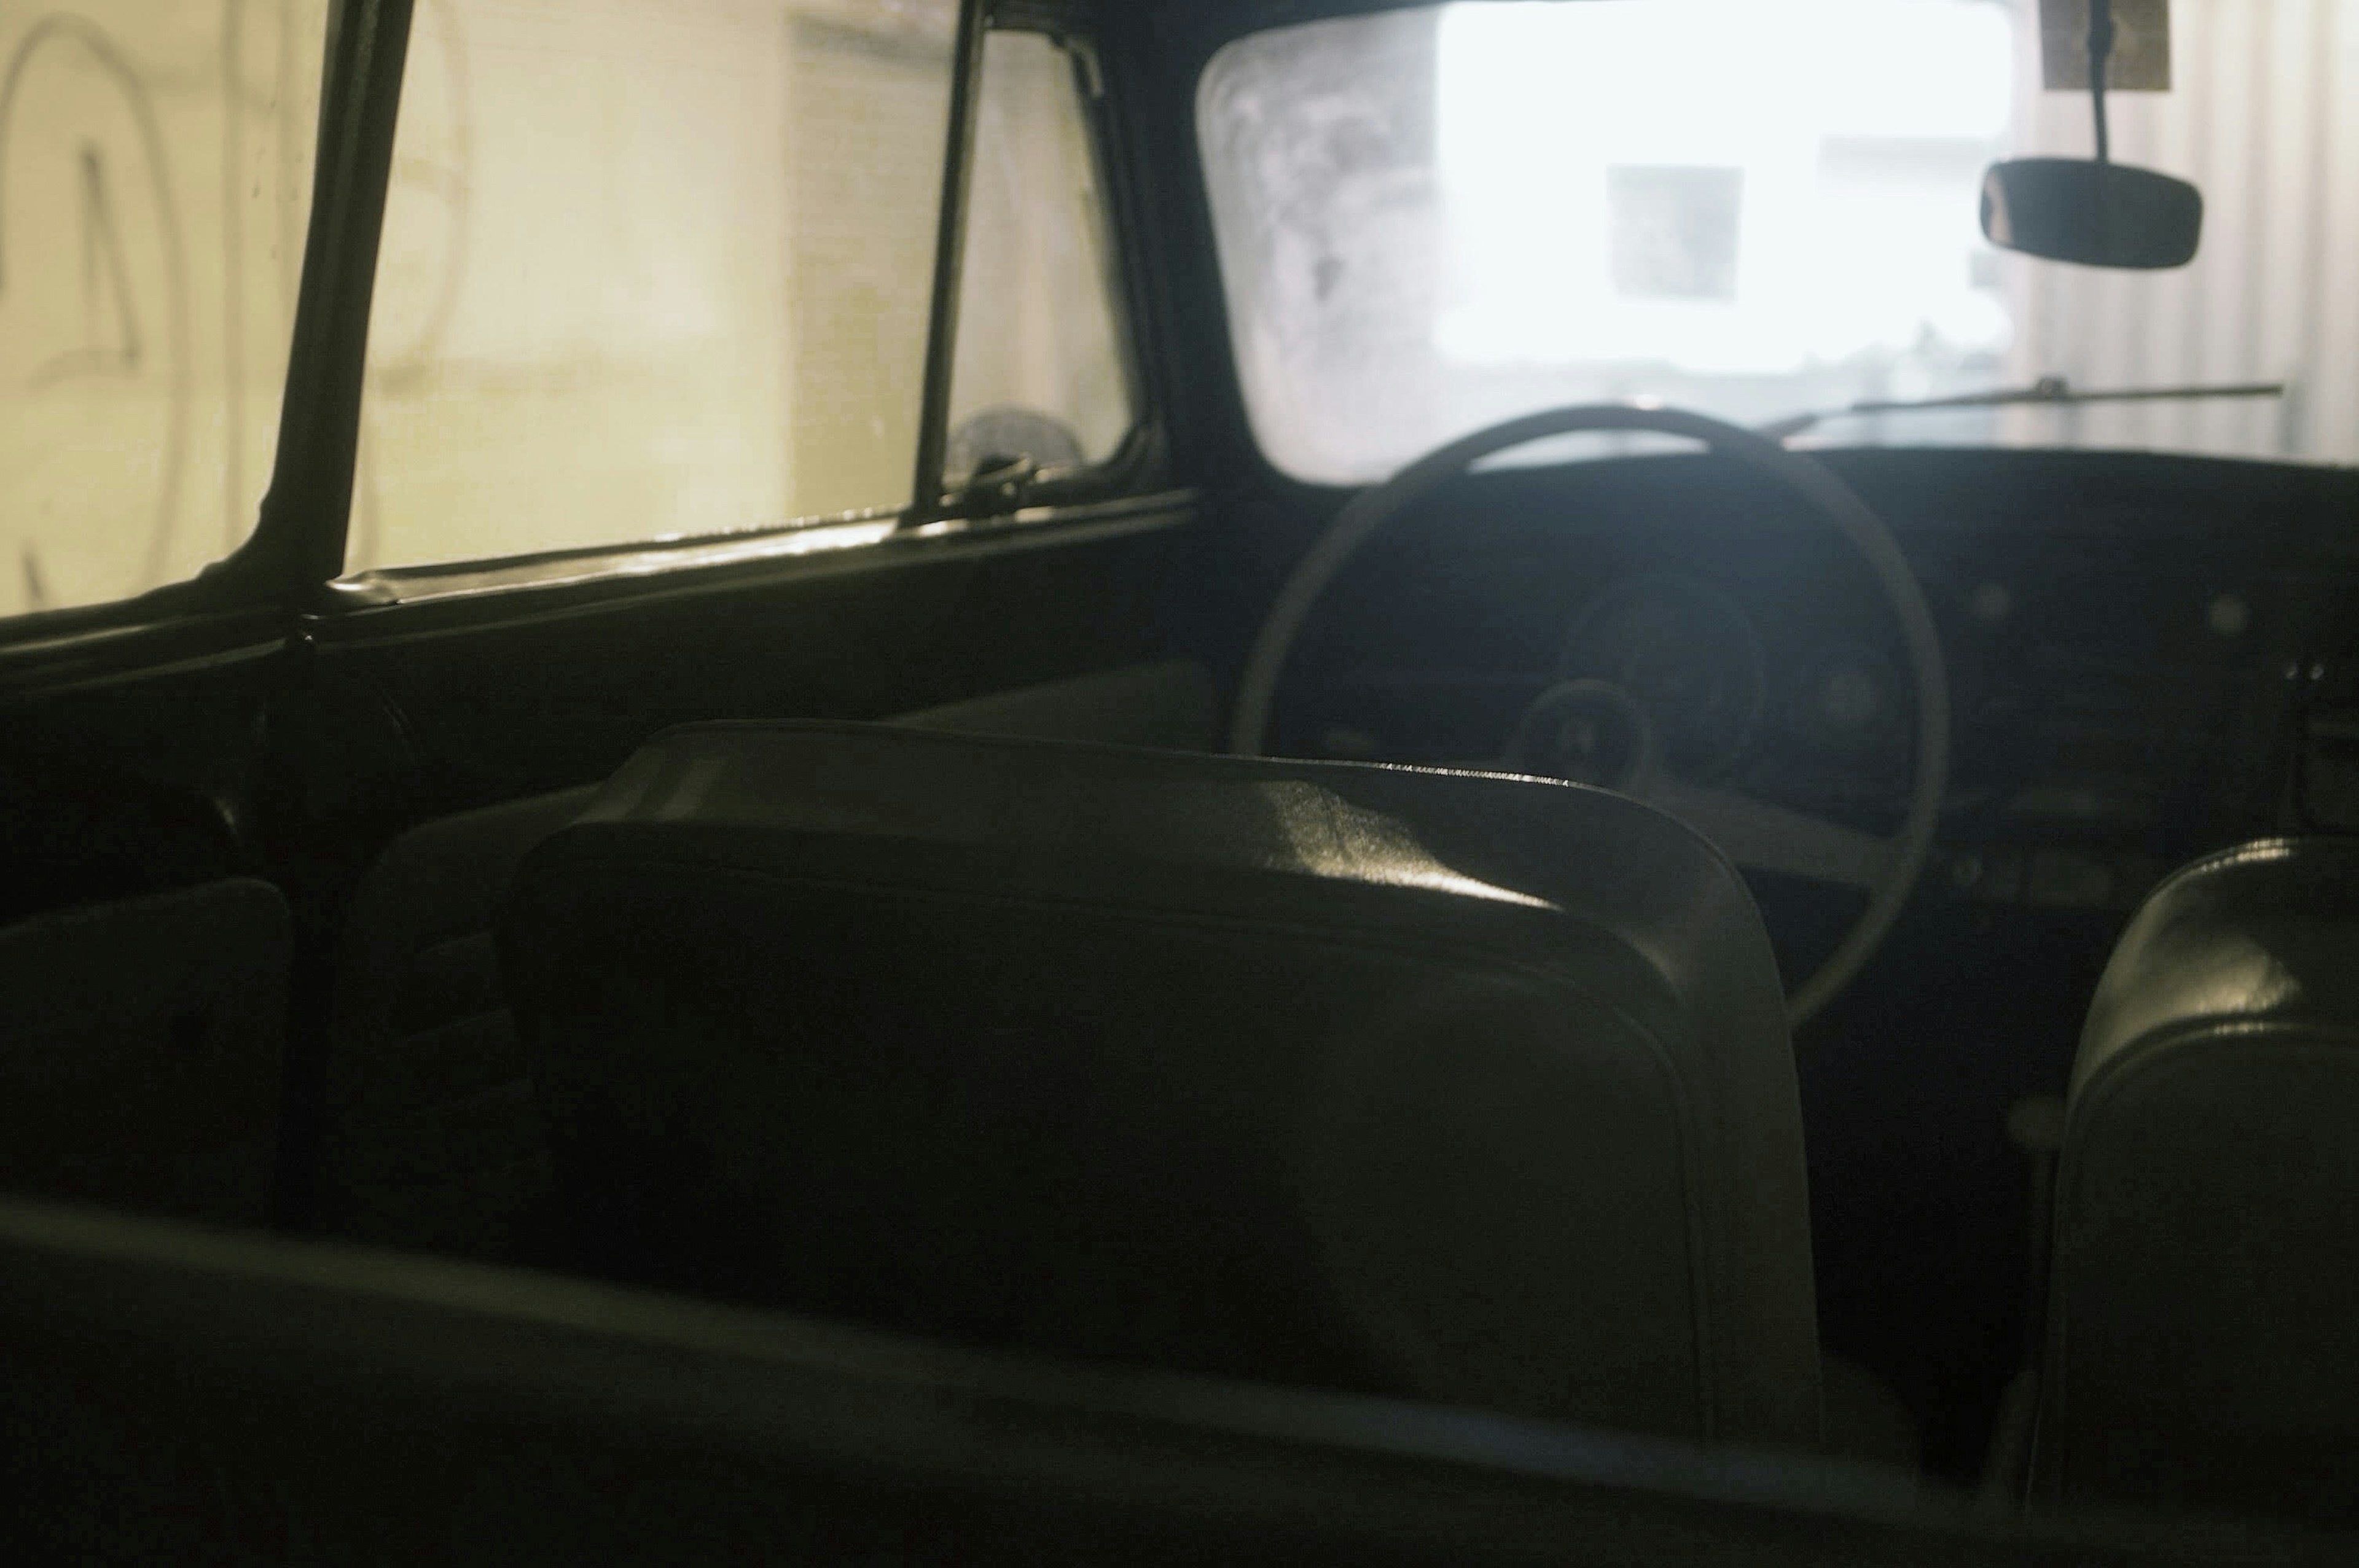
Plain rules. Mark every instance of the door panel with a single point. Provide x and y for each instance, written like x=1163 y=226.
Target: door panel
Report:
x=144 y=973
x=1167 y=704
x=436 y=706
x=134 y=781
x=141 y=1065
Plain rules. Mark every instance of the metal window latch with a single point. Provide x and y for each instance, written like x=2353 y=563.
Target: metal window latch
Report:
x=999 y=486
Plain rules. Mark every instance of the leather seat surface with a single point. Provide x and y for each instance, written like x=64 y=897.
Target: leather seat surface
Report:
x=1470 y=1088
x=2203 y=1347
x=431 y=1139
x=175 y=1394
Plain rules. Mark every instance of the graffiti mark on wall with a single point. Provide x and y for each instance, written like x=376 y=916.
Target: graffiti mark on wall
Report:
x=154 y=180
x=110 y=315
x=115 y=129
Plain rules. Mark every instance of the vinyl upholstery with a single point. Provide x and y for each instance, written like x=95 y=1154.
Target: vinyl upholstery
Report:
x=1469 y=1087
x=141 y=1047
x=432 y=1138
x=175 y=1394
x=2201 y=1344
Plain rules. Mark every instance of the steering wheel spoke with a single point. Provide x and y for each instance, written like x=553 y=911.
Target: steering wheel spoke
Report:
x=1765 y=838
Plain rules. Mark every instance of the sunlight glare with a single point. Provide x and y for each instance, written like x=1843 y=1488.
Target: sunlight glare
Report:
x=1832 y=145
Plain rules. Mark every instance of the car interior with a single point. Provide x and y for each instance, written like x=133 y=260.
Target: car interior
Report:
x=1021 y=780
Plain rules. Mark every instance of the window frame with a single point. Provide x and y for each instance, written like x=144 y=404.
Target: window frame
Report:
x=292 y=563
x=276 y=562
x=1130 y=486
x=1137 y=451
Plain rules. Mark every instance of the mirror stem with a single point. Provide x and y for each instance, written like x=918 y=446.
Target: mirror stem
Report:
x=2100 y=51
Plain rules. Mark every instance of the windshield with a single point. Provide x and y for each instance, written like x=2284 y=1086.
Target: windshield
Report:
x=1433 y=219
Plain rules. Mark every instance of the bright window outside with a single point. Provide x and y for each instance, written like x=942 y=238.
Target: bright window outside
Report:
x=1434 y=219
x=651 y=270
x=1040 y=371
x=662 y=270
x=155 y=187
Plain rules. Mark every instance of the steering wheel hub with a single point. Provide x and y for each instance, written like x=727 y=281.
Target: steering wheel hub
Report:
x=1587 y=731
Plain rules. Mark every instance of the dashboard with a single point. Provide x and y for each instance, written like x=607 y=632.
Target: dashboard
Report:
x=2130 y=642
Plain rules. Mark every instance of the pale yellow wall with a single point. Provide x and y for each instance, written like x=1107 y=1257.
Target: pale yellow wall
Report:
x=155 y=181
x=869 y=114
x=650 y=268
x=651 y=271
x=2263 y=115
x=1039 y=329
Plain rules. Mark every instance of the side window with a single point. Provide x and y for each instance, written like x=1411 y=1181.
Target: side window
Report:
x=155 y=161
x=651 y=269
x=661 y=269
x=1040 y=370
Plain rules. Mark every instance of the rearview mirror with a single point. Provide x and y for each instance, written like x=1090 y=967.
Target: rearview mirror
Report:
x=2098 y=214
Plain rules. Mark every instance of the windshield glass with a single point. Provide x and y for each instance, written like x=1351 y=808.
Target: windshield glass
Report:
x=1433 y=219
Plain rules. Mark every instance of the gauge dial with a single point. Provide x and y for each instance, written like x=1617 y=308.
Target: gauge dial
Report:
x=1849 y=698
x=1685 y=652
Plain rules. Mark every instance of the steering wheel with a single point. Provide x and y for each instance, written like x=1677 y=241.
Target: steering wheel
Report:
x=1750 y=832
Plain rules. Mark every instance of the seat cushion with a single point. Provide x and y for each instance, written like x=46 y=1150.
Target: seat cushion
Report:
x=1470 y=1088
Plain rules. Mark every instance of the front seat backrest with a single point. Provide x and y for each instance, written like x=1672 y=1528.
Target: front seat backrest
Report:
x=2203 y=1336
x=1469 y=1087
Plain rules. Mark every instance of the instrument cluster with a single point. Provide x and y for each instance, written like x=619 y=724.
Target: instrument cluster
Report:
x=1696 y=661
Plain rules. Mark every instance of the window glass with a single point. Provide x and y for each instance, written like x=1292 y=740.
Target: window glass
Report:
x=651 y=269
x=155 y=163
x=1040 y=371
x=1434 y=219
